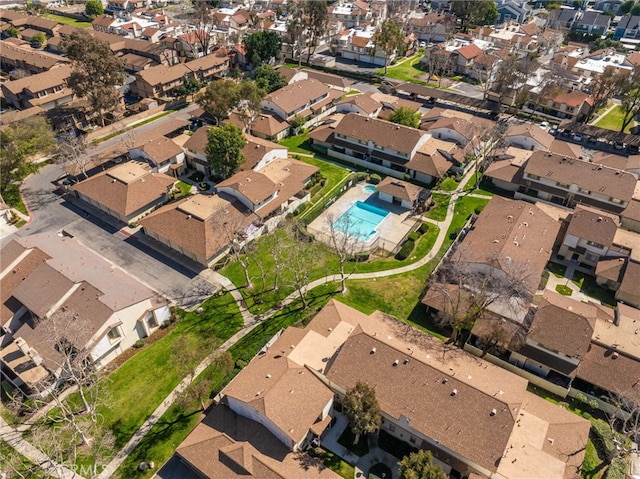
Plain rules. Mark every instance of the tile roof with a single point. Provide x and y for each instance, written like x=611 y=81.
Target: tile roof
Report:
x=227 y=445
x=292 y=97
x=563 y=148
x=399 y=189
x=630 y=279
x=36 y=58
x=562 y=324
x=593 y=225
x=204 y=217
x=588 y=176
x=383 y=133
x=365 y=102
x=511 y=235
x=56 y=76
x=530 y=131
x=613 y=372
x=126 y=188
x=470 y=51
x=160 y=149
x=611 y=269
x=42 y=289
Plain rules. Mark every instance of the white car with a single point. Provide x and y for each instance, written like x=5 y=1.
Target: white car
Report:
x=544 y=125
x=422 y=44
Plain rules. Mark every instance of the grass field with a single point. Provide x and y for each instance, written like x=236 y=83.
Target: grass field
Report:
x=613 y=120
x=406 y=70
x=67 y=21
x=439 y=211
x=142 y=382
x=11 y=196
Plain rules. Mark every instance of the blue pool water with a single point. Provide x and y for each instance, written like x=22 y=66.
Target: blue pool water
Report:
x=360 y=220
x=370 y=189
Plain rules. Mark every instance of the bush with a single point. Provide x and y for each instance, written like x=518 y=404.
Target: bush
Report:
x=361 y=257
x=603 y=437
x=375 y=178
x=360 y=176
x=477 y=210
x=139 y=343
x=587 y=416
x=424 y=228
x=406 y=250
x=616 y=470
x=454 y=234
x=413 y=236
x=240 y=363
x=300 y=209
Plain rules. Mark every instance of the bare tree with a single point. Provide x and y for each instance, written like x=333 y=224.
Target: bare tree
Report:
x=72 y=149
x=465 y=293
x=277 y=251
x=205 y=24
x=344 y=244
x=624 y=421
x=296 y=28
x=302 y=259
x=238 y=245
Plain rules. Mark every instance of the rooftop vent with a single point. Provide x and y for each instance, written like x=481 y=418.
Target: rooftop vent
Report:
x=268 y=376
x=615 y=355
x=493 y=412
x=454 y=392
x=445 y=381
x=406 y=361
x=373 y=351
x=396 y=362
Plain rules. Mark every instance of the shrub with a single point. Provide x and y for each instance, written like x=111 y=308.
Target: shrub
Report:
x=564 y=290
x=424 y=228
x=616 y=470
x=477 y=210
x=139 y=343
x=405 y=250
x=300 y=209
x=361 y=257
x=360 y=176
x=240 y=363
x=586 y=415
x=413 y=236
x=454 y=234
x=603 y=437
x=375 y=178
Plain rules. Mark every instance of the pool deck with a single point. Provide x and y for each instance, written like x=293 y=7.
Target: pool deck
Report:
x=390 y=231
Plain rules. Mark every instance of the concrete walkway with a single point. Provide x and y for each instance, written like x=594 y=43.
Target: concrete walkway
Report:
x=329 y=439
x=566 y=281
x=604 y=113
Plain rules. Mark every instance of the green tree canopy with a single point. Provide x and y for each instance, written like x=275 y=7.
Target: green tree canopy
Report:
x=39 y=39
x=625 y=7
x=190 y=86
x=406 y=116
x=219 y=98
x=13 y=32
x=419 y=465
x=475 y=12
x=388 y=39
x=269 y=79
x=93 y=8
x=96 y=72
x=316 y=18
x=249 y=98
x=635 y=10
x=628 y=88
x=224 y=149
x=262 y=47
x=19 y=142
x=362 y=409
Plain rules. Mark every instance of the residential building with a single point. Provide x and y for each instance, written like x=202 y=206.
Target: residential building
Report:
x=127 y=191
x=47 y=89
x=591 y=22
x=567 y=182
x=589 y=238
x=358 y=45
x=270 y=128
x=465 y=57
x=56 y=291
x=628 y=28
x=529 y=137
x=515 y=10
x=364 y=105
x=308 y=99
x=350 y=14
x=293 y=75
x=15 y=57
x=161 y=80
x=509 y=238
x=399 y=192
x=162 y=153
x=432 y=26
x=574 y=105
x=386 y=147
x=309 y=370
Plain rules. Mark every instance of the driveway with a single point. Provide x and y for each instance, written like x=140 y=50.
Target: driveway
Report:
x=159 y=268
x=474 y=91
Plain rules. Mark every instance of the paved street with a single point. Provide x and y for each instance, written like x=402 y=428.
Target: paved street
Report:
x=162 y=272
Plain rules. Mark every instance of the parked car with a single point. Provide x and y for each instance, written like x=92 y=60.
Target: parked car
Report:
x=577 y=137
x=544 y=125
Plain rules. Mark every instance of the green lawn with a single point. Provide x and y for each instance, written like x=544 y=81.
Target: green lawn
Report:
x=67 y=21
x=613 y=120
x=11 y=196
x=564 y=290
x=333 y=462
x=439 y=211
x=185 y=188
x=406 y=71
x=449 y=184
x=333 y=173
x=464 y=208
x=471 y=186
x=9 y=460
x=298 y=144
x=142 y=382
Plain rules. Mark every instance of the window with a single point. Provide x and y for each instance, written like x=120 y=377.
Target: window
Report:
x=615 y=200
x=151 y=321
x=591 y=257
x=392 y=427
x=594 y=244
x=561 y=185
x=533 y=177
x=114 y=334
x=412 y=439
x=586 y=192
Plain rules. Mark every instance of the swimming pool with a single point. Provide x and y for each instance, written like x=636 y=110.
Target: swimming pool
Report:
x=370 y=189
x=360 y=220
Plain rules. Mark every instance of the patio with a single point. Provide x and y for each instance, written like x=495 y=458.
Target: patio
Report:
x=391 y=230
